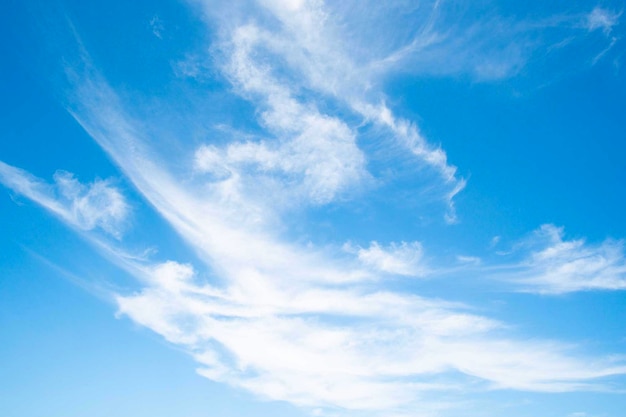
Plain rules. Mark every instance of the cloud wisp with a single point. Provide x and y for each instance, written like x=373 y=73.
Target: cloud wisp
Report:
x=603 y=19
x=554 y=265
x=404 y=259
x=97 y=205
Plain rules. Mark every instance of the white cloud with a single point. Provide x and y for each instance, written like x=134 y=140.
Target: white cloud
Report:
x=313 y=157
x=398 y=258
x=269 y=64
x=555 y=265
x=344 y=348
x=318 y=163
x=96 y=205
x=603 y=19
x=342 y=53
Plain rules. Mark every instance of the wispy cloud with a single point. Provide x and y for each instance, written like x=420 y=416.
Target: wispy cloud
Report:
x=475 y=40
x=316 y=347
x=556 y=266
x=398 y=258
x=95 y=205
x=603 y=19
x=287 y=68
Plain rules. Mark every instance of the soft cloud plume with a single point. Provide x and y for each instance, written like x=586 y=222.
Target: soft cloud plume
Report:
x=95 y=205
x=555 y=265
x=345 y=348
x=286 y=69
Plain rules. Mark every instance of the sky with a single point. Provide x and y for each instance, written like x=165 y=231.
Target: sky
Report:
x=312 y=208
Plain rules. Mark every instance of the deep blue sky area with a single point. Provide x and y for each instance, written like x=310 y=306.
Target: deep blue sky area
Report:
x=534 y=153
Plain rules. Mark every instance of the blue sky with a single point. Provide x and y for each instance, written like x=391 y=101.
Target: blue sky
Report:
x=309 y=208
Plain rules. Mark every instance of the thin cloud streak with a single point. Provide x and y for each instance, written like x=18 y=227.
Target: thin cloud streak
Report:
x=471 y=40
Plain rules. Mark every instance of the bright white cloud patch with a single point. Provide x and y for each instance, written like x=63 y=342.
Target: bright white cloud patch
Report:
x=318 y=162
x=398 y=258
x=343 y=347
